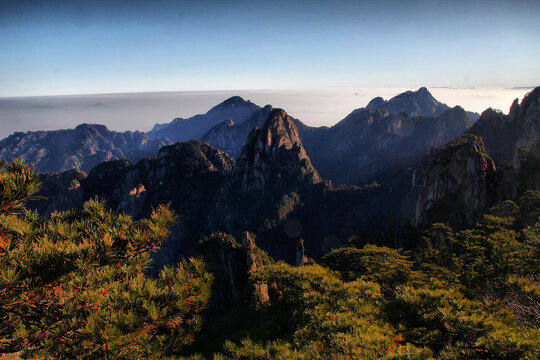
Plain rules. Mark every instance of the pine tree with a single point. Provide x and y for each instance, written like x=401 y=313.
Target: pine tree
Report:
x=76 y=285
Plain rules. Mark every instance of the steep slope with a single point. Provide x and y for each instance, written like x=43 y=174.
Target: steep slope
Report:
x=458 y=182
x=234 y=108
x=273 y=166
x=82 y=148
x=231 y=137
x=275 y=192
x=454 y=182
x=370 y=144
x=505 y=134
x=374 y=145
x=186 y=175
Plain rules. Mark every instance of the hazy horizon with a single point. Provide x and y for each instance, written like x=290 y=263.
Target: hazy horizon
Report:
x=140 y=111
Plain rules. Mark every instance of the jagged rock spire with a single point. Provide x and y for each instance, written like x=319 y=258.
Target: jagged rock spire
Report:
x=274 y=157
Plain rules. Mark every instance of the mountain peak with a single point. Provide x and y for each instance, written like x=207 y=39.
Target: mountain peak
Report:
x=232 y=102
x=413 y=103
x=234 y=108
x=279 y=130
x=274 y=156
x=98 y=127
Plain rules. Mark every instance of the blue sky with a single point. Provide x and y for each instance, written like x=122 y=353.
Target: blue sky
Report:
x=75 y=47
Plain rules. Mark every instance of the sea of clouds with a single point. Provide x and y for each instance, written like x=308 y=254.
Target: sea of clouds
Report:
x=140 y=111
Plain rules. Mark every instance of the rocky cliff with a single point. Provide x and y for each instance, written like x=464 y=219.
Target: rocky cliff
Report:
x=272 y=190
x=231 y=137
x=186 y=175
x=60 y=191
x=504 y=134
x=454 y=182
x=235 y=109
x=276 y=192
x=231 y=263
x=273 y=166
x=371 y=144
x=81 y=148
x=375 y=145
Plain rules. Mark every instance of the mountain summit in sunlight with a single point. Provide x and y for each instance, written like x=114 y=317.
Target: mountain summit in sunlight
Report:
x=419 y=103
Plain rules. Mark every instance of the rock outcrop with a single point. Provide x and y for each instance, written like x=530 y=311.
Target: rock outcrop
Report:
x=375 y=145
x=231 y=263
x=272 y=167
x=235 y=109
x=231 y=137
x=186 y=175
x=454 y=183
x=503 y=134
x=371 y=144
x=62 y=191
x=81 y=148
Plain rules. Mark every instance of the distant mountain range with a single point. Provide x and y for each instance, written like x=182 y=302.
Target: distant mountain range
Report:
x=413 y=160
x=225 y=126
x=371 y=143
x=275 y=190
x=234 y=108
x=81 y=148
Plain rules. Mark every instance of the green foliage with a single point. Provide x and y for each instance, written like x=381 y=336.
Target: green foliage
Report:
x=323 y=317
x=75 y=285
x=491 y=252
x=529 y=207
x=457 y=327
x=18 y=183
x=383 y=265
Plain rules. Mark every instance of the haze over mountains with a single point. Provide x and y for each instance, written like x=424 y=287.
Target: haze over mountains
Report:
x=244 y=117
x=140 y=111
x=407 y=166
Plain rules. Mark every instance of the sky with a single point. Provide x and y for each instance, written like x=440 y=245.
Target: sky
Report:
x=94 y=47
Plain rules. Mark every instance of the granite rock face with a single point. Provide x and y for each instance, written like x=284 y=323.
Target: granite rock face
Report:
x=454 y=182
x=274 y=155
x=235 y=108
x=231 y=137
x=272 y=167
x=275 y=192
x=371 y=144
x=231 y=263
x=185 y=175
x=503 y=134
x=81 y=148
x=62 y=191
x=375 y=145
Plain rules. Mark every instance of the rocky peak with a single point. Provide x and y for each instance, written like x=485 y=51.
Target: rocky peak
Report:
x=274 y=157
x=231 y=264
x=270 y=176
x=94 y=128
x=233 y=101
x=419 y=103
x=453 y=182
x=503 y=134
x=231 y=137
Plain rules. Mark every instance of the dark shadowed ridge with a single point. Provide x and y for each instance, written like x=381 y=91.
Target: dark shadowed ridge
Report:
x=505 y=134
x=234 y=108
